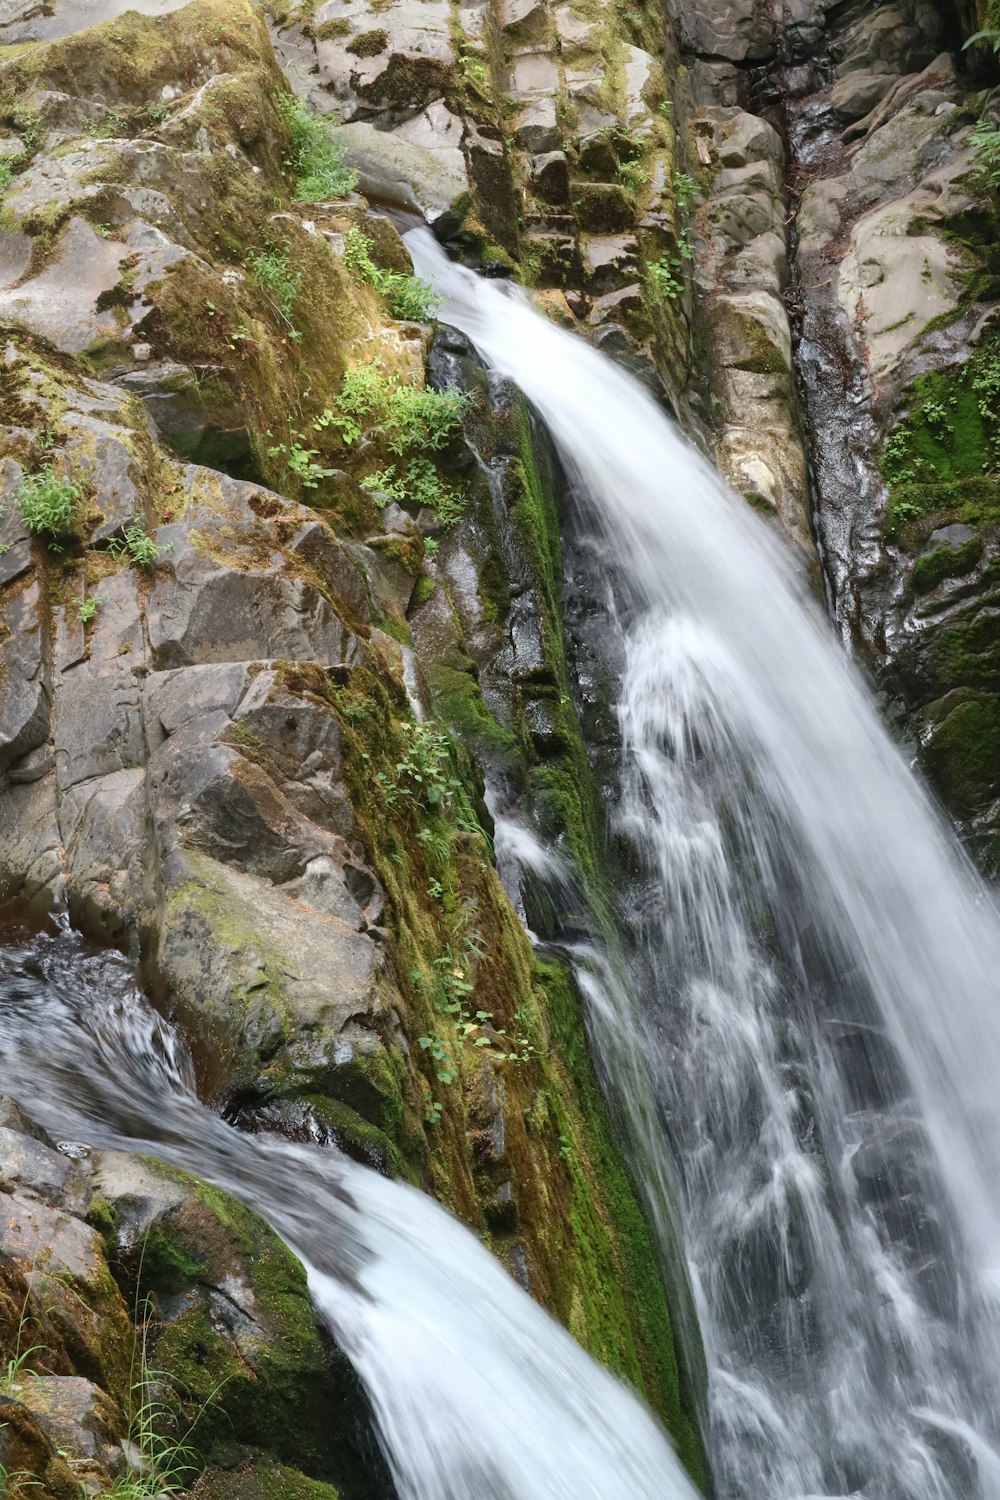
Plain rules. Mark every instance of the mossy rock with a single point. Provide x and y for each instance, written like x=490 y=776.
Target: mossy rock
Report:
x=963 y=750
x=235 y=1332
x=262 y=1480
x=947 y=561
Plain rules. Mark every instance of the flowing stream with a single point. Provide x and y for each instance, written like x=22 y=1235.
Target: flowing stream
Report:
x=817 y=1042
x=478 y=1394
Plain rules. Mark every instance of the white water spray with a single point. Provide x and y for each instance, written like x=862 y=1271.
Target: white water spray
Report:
x=478 y=1394
x=820 y=973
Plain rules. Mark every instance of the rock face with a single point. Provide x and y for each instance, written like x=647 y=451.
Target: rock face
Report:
x=77 y=1229
x=533 y=142
x=306 y=567
x=857 y=134
x=895 y=231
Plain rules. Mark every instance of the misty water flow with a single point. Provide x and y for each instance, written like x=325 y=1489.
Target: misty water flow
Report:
x=809 y=1021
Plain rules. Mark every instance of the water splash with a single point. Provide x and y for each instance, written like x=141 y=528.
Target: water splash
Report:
x=819 y=1034
x=478 y=1393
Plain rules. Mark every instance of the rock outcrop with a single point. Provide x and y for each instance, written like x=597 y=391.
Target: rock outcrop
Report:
x=116 y=1272
x=277 y=565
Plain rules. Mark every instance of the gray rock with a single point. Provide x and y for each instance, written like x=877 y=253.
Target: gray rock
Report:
x=536 y=129
x=549 y=177
x=408 y=171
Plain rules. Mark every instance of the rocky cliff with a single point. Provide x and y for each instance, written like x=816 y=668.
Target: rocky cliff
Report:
x=284 y=598
x=281 y=573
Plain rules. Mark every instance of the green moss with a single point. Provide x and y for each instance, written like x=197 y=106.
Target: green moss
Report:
x=369 y=43
x=458 y=700
x=626 y=1315
x=944 y=456
x=963 y=750
x=330 y=31
x=357 y=1136
x=424 y=589
x=273 y=1388
x=943 y=562
x=263 y=1480
x=966 y=652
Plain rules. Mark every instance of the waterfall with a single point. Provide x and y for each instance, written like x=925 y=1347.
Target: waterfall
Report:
x=810 y=1015
x=478 y=1393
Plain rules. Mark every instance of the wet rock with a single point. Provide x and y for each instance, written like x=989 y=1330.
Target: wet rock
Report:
x=536 y=129
x=611 y=262
x=550 y=177
x=738 y=31
x=524 y=21
x=416 y=167
x=603 y=207
x=386 y=66
x=857 y=95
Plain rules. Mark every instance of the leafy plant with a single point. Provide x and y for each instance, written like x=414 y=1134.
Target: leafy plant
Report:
x=316 y=159
x=985 y=141
x=685 y=189
x=407 y=296
x=633 y=176
x=405 y=416
x=300 y=461
x=445 y=1071
x=424 y=773
x=112 y=125
x=88 y=609
x=991 y=36
x=48 y=504
x=664 y=282
x=420 y=485
x=137 y=545
x=274 y=273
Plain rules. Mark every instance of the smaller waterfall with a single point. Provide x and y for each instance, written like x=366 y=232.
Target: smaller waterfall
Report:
x=478 y=1393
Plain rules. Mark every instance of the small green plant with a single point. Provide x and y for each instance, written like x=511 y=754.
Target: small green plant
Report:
x=137 y=546
x=633 y=176
x=301 y=462
x=685 y=189
x=274 y=273
x=12 y=1482
x=48 y=505
x=157 y=112
x=424 y=773
x=6 y=174
x=445 y=1070
x=405 y=416
x=88 y=609
x=408 y=297
x=985 y=142
x=420 y=485
x=28 y=126
x=112 y=125
x=991 y=36
x=432 y=1111
x=664 y=280
x=317 y=159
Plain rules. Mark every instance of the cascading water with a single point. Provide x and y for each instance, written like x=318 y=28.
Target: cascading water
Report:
x=478 y=1394
x=819 y=1035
